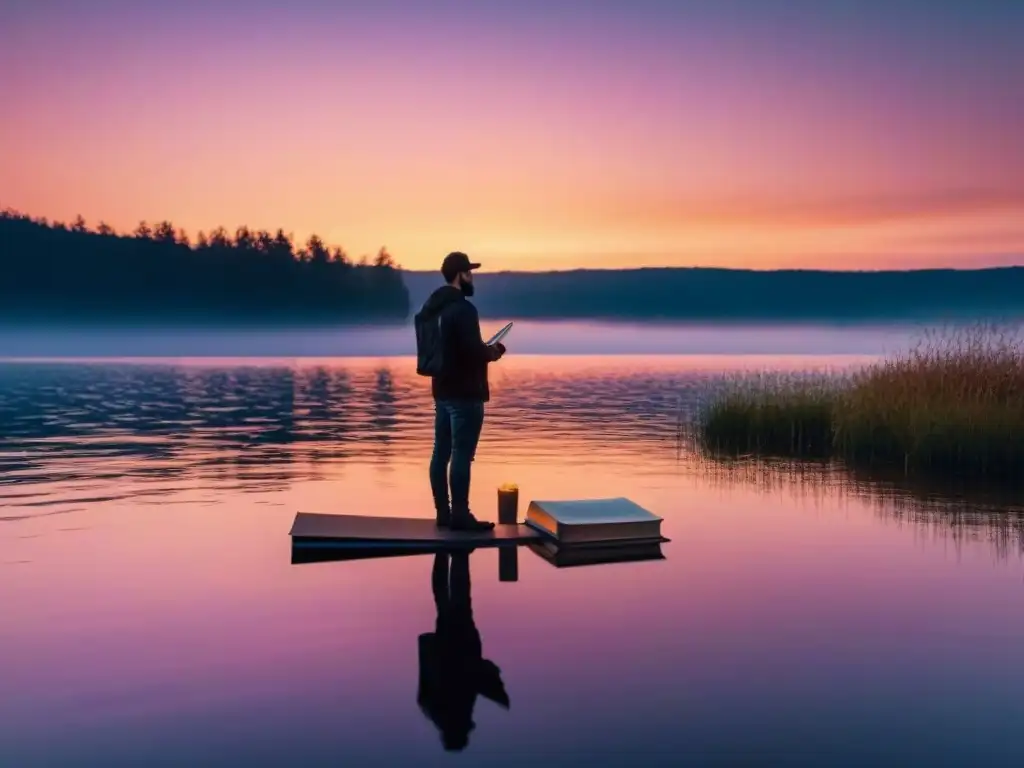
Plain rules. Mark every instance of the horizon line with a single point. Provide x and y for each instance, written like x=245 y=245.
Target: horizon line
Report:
x=694 y=268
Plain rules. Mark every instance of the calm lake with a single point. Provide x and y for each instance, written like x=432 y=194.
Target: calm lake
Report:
x=152 y=614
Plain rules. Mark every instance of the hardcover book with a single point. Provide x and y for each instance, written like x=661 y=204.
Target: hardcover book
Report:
x=589 y=521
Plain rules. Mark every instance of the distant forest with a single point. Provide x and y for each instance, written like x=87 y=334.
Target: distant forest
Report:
x=54 y=272
x=735 y=295
x=59 y=273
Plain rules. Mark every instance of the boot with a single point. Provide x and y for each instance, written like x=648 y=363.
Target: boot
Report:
x=469 y=523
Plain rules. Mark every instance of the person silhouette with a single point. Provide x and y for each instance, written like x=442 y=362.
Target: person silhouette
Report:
x=452 y=670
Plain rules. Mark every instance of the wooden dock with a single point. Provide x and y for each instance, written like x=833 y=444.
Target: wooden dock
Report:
x=397 y=535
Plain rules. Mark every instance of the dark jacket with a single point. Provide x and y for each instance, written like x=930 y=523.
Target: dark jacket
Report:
x=465 y=355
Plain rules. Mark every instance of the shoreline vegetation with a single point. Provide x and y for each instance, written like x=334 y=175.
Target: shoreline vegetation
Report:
x=156 y=275
x=58 y=273
x=951 y=406
x=719 y=295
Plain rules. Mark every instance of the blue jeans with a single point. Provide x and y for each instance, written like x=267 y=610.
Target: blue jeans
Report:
x=457 y=425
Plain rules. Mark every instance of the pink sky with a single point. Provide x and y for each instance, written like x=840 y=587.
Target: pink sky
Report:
x=650 y=136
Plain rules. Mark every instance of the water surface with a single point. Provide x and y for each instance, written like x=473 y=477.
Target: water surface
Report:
x=153 y=616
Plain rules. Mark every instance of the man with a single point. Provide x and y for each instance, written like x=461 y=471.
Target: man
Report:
x=460 y=390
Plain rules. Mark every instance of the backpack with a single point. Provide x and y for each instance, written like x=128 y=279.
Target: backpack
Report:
x=429 y=348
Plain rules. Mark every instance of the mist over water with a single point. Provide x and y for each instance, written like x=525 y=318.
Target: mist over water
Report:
x=528 y=337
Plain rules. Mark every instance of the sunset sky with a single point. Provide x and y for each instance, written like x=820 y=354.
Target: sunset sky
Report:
x=755 y=133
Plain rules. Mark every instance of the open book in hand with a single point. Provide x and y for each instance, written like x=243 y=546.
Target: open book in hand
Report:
x=499 y=335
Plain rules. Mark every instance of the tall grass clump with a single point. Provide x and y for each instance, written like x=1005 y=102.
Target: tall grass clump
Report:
x=782 y=415
x=951 y=405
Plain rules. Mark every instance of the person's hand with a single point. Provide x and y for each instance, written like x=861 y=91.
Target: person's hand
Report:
x=499 y=350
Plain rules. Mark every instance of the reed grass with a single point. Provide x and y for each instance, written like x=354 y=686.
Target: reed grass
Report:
x=954 y=403
x=778 y=415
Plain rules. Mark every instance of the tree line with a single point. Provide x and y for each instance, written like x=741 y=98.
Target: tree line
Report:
x=57 y=271
x=711 y=294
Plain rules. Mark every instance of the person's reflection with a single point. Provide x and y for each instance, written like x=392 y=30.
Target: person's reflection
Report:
x=453 y=671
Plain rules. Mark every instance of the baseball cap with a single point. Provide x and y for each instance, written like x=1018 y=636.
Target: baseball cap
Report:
x=456 y=262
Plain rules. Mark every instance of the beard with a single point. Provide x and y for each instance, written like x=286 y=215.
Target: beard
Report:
x=467 y=289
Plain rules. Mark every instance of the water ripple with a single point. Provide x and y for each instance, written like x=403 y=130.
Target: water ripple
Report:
x=95 y=433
